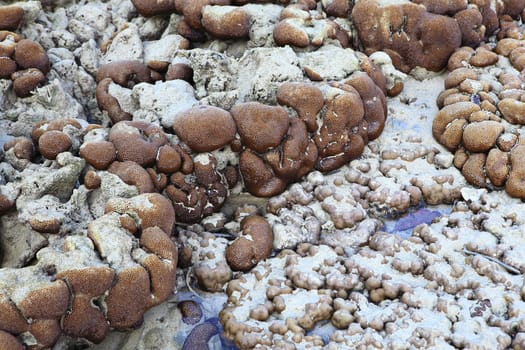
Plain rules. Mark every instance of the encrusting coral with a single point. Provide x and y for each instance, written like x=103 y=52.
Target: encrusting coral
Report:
x=126 y=260
x=134 y=270
x=478 y=112
x=96 y=204
x=24 y=61
x=274 y=149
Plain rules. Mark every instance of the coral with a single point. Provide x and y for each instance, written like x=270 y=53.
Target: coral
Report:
x=474 y=122
x=125 y=122
x=24 y=61
x=253 y=245
x=73 y=260
x=396 y=34
x=225 y=22
x=205 y=128
x=387 y=282
x=302 y=26
x=209 y=264
x=11 y=17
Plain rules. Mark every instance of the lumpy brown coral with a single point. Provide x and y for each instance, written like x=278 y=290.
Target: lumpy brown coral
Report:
x=275 y=148
x=254 y=245
x=124 y=261
x=476 y=115
x=422 y=33
x=302 y=25
x=71 y=276
x=24 y=61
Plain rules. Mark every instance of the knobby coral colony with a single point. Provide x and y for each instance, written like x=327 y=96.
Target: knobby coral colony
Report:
x=84 y=284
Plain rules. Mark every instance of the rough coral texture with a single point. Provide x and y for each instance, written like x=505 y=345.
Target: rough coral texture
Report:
x=480 y=110
x=254 y=245
x=303 y=26
x=420 y=33
x=126 y=273
x=385 y=289
x=274 y=147
x=24 y=61
x=157 y=112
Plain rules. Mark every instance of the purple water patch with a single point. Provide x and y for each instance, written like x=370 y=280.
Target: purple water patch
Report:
x=323 y=329
x=200 y=335
x=420 y=216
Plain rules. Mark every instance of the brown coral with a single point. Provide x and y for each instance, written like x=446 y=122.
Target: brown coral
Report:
x=86 y=320
x=22 y=147
x=53 y=142
x=408 y=33
x=26 y=81
x=470 y=125
x=307 y=100
x=151 y=209
x=137 y=141
x=148 y=8
x=300 y=26
x=126 y=74
x=200 y=195
x=254 y=245
x=226 y=22
x=30 y=54
x=277 y=149
x=205 y=128
x=10 y=17
x=133 y=174
x=98 y=154
x=260 y=126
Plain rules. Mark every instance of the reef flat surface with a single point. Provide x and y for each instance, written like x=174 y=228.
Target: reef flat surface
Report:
x=231 y=174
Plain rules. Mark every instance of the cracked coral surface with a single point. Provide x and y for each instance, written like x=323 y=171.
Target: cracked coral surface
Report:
x=127 y=253
x=108 y=276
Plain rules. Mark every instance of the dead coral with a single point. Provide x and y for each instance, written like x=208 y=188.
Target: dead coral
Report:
x=10 y=16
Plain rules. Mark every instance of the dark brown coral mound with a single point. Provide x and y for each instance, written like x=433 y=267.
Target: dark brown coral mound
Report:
x=69 y=281
x=410 y=34
x=24 y=61
x=423 y=33
x=326 y=126
x=255 y=244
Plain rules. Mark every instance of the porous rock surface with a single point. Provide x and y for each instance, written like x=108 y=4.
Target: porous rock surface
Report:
x=135 y=135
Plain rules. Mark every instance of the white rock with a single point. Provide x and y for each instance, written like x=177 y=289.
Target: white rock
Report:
x=213 y=72
x=126 y=45
x=262 y=70
x=162 y=101
x=89 y=56
x=263 y=20
x=95 y=15
x=330 y=62
x=164 y=49
x=472 y=194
